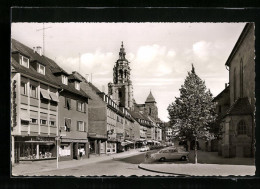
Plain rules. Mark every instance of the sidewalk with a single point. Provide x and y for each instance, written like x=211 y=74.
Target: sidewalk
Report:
x=30 y=167
x=200 y=169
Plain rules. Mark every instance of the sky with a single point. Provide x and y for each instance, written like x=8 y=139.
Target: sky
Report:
x=160 y=54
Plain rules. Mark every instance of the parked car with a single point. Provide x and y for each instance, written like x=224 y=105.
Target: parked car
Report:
x=144 y=148
x=169 y=154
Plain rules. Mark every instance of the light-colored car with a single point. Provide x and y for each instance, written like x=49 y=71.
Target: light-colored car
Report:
x=169 y=154
x=144 y=148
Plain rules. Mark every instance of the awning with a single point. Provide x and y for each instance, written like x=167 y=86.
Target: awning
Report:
x=25 y=116
x=54 y=97
x=128 y=141
x=45 y=94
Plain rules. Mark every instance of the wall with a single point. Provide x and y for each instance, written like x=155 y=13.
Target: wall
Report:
x=73 y=114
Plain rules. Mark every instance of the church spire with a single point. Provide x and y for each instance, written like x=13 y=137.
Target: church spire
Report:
x=122 y=52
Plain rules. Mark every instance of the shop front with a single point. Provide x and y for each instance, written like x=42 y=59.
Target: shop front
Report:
x=34 y=148
x=97 y=144
x=73 y=149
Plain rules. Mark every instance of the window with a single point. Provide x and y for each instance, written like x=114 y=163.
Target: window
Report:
x=80 y=125
x=43 y=122
x=24 y=61
x=41 y=69
x=150 y=111
x=68 y=103
x=64 y=79
x=241 y=128
x=33 y=91
x=77 y=85
x=34 y=121
x=52 y=123
x=23 y=88
x=81 y=106
x=67 y=124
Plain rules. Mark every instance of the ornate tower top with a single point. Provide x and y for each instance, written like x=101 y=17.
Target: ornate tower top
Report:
x=150 y=98
x=122 y=52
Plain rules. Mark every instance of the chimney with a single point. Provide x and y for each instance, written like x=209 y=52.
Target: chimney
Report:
x=39 y=50
x=34 y=49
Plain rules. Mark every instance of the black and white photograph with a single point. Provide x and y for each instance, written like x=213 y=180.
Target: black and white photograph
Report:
x=132 y=98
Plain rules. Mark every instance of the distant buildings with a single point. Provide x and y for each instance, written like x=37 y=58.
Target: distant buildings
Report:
x=236 y=103
x=53 y=111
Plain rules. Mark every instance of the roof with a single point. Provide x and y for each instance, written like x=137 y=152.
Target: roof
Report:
x=240 y=107
x=50 y=69
x=73 y=77
x=239 y=41
x=226 y=90
x=150 y=98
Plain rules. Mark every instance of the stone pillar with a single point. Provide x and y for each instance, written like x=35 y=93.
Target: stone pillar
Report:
x=37 y=151
x=87 y=149
x=95 y=146
x=99 y=146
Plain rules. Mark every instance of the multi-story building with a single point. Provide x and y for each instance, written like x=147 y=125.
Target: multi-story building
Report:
x=238 y=122
x=100 y=119
x=73 y=115
x=34 y=105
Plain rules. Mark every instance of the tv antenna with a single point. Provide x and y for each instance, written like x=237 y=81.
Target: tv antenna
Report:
x=43 y=37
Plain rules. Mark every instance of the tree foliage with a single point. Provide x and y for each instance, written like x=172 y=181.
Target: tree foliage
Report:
x=193 y=112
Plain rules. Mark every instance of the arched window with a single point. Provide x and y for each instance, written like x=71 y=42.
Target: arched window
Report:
x=121 y=73
x=150 y=111
x=125 y=73
x=241 y=127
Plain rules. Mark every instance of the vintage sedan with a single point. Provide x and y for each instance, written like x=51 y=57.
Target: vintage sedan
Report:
x=170 y=154
x=144 y=148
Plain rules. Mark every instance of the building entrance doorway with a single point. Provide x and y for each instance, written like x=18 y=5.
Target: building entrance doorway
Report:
x=75 y=151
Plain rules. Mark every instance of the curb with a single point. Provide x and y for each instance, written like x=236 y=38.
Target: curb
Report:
x=177 y=174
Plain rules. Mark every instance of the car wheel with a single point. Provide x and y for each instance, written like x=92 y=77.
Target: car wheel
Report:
x=162 y=159
x=183 y=158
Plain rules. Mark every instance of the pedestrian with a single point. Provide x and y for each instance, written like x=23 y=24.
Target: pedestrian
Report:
x=81 y=153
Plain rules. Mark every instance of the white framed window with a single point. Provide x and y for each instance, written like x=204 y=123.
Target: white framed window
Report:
x=34 y=121
x=33 y=91
x=41 y=69
x=80 y=125
x=52 y=123
x=23 y=88
x=43 y=122
x=77 y=85
x=24 y=61
x=80 y=106
x=64 y=79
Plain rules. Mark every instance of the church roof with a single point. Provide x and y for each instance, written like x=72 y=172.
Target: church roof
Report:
x=150 y=98
x=241 y=106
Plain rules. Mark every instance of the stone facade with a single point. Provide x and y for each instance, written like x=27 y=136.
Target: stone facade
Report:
x=121 y=90
x=238 y=121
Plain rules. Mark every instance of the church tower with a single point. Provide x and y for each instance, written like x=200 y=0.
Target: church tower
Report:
x=121 y=90
x=150 y=106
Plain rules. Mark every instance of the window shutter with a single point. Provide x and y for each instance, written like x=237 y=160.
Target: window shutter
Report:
x=65 y=104
x=77 y=126
x=85 y=126
x=85 y=106
x=77 y=105
x=69 y=104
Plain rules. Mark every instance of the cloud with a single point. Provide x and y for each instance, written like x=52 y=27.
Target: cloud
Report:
x=202 y=49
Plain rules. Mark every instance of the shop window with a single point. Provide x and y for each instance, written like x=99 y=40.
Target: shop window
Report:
x=23 y=88
x=33 y=91
x=43 y=122
x=241 y=128
x=34 y=121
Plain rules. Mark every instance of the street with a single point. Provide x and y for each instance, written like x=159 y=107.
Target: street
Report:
x=125 y=166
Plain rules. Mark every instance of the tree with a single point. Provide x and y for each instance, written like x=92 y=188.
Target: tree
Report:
x=193 y=112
